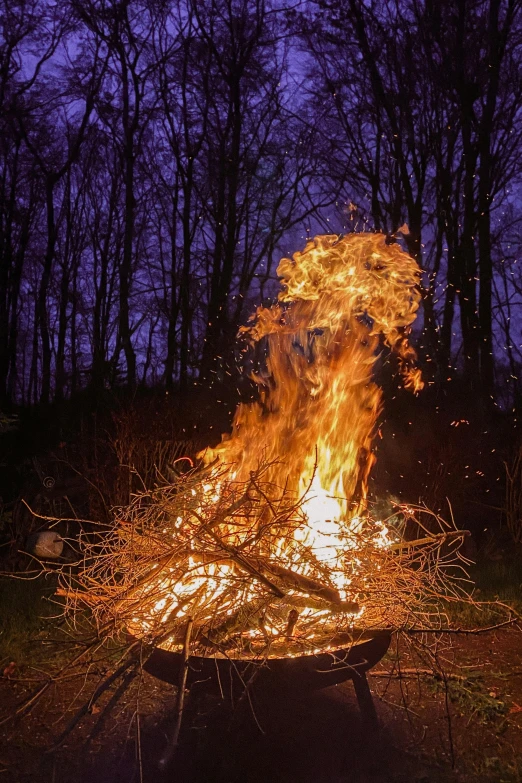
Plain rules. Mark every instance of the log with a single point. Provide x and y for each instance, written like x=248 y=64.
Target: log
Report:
x=302 y=583
x=246 y=618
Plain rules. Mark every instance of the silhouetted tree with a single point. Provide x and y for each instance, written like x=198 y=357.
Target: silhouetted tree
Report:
x=155 y=156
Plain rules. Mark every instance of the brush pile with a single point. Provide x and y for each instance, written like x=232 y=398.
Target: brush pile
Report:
x=235 y=558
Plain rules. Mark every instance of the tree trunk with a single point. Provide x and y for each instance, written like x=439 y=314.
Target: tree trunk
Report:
x=185 y=279
x=172 y=345
x=64 y=297
x=484 y=204
x=218 y=329
x=125 y=333
x=100 y=310
x=467 y=270
x=41 y=311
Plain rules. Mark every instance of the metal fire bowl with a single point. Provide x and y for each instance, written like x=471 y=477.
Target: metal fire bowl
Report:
x=312 y=672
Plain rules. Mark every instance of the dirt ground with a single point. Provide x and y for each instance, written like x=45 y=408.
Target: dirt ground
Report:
x=465 y=728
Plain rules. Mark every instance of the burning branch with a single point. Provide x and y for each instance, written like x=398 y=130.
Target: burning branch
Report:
x=195 y=550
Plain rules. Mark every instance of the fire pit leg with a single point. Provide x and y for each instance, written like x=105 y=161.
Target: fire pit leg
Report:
x=365 y=701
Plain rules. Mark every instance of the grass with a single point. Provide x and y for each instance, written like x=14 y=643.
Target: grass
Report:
x=472 y=698
x=493 y=581
x=499 y=579
x=25 y=611
x=32 y=632
x=498 y=770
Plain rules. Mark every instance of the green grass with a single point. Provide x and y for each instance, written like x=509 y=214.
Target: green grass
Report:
x=498 y=770
x=492 y=581
x=25 y=611
x=499 y=579
x=472 y=698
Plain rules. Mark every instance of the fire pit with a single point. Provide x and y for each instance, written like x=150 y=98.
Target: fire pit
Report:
x=228 y=677
x=267 y=563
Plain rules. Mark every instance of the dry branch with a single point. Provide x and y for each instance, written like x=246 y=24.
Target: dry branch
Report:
x=87 y=707
x=225 y=554
x=180 y=699
x=436 y=538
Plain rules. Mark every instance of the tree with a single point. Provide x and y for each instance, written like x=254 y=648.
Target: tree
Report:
x=124 y=31
x=44 y=111
x=28 y=27
x=424 y=93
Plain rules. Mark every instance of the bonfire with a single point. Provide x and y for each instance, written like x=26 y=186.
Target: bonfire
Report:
x=269 y=546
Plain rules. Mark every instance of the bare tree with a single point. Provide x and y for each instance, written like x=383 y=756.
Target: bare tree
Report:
x=44 y=112
x=28 y=27
x=124 y=31
x=426 y=95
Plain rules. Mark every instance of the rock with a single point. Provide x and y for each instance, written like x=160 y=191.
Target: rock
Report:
x=47 y=544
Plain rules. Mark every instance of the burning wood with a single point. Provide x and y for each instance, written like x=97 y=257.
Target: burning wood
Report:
x=271 y=549
x=293 y=617
x=149 y=575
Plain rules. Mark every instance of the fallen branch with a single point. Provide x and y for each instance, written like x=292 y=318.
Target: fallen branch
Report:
x=438 y=538
x=462 y=631
x=87 y=707
x=180 y=700
x=412 y=674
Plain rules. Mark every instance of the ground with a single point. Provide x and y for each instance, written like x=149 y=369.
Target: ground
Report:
x=466 y=728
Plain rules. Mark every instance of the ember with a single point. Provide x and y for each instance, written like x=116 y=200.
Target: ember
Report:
x=270 y=548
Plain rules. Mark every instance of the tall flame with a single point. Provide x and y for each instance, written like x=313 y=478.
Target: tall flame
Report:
x=318 y=405
x=310 y=435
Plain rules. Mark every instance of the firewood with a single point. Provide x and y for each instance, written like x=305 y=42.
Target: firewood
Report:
x=241 y=577
x=310 y=602
x=293 y=617
x=436 y=538
x=246 y=617
x=302 y=583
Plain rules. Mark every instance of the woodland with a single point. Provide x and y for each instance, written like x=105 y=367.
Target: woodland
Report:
x=158 y=159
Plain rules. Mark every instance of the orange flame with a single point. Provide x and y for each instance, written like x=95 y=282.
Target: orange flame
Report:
x=313 y=426
x=318 y=404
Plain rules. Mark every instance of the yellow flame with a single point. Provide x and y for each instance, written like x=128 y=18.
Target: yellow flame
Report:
x=318 y=404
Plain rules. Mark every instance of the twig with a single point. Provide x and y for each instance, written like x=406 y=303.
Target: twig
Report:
x=116 y=696
x=462 y=631
x=413 y=674
x=180 y=699
x=203 y=545
x=238 y=558
x=404 y=707
x=28 y=703
x=87 y=707
x=437 y=538
x=293 y=617
x=447 y=708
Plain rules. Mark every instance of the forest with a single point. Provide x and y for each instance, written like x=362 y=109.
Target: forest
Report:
x=260 y=390
x=158 y=158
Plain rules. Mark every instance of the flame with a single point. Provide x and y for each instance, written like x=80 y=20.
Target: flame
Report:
x=318 y=405
x=314 y=423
